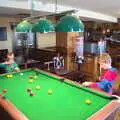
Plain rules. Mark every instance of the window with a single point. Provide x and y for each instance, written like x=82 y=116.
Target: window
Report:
x=3 y=33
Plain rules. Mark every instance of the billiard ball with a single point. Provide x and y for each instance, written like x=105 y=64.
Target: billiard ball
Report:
x=31 y=77
x=49 y=91
x=21 y=74
x=10 y=76
x=37 y=87
x=4 y=90
x=35 y=77
x=31 y=93
x=30 y=81
x=88 y=102
x=28 y=89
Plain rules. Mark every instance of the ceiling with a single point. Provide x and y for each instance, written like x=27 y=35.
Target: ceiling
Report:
x=108 y=7
x=16 y=12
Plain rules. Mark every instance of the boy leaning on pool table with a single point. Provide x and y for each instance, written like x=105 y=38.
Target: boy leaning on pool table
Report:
x=107 y=78
x=10 y=65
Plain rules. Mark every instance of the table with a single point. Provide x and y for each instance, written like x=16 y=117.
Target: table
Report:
x=75 y=76
x=29 y=62
x=48 y=64
x=67 y=101
x=61 y=72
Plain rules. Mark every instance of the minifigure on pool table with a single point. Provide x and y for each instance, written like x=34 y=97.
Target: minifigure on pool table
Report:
x=107 y=78
x=10 y=65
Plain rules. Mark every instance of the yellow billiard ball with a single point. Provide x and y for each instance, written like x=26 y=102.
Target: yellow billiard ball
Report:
x=10 y=76
x=88 y=102
x=35 y=77
x=49 y=91
x=37 y=87
x=30 y=81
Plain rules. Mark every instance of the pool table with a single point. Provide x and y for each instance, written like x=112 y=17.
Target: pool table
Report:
x=66 y=102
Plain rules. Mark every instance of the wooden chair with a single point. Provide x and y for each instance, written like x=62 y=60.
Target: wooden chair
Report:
x=116 y=87
x=3 y=54
x=117 y=59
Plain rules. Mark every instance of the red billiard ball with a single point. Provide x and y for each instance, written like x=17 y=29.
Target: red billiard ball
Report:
x=30 y=77
x=4 y=90
x=28 y=89
x=31 y=93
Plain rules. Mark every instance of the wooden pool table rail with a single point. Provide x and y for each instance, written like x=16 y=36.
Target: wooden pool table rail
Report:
x=11 y=109
x=105 y=112
x=102 y=114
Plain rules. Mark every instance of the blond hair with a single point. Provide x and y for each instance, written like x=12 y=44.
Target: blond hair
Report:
x=10 y=54
x=105 y=58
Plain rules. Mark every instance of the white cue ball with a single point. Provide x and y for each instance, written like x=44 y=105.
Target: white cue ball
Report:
x=21 y=74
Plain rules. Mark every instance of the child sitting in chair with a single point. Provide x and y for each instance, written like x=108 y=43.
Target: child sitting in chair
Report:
x=58 y=61
x=107 y=78
x=10 y=65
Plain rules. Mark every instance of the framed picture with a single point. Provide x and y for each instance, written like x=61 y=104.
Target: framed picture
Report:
x=3 y=33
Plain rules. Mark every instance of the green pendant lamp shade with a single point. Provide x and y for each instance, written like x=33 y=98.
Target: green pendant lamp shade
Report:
x=43 y=26
x=70 y=24
x=24 y=26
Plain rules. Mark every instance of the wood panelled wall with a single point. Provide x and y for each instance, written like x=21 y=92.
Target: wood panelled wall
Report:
x=65 y=41
x=101 y=26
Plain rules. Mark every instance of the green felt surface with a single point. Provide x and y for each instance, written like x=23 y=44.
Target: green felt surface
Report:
x=67 y=102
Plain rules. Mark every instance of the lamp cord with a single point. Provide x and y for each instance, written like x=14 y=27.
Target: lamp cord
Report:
x=32 y=7
x=56 y=2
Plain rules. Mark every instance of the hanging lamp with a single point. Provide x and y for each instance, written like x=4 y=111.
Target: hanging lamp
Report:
x=69 y=23
x=43 y=26
x=24 y=26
